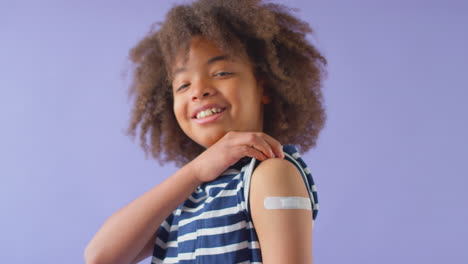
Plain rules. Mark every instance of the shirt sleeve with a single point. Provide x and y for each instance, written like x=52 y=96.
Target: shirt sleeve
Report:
x=162 y=237
x=291 y=154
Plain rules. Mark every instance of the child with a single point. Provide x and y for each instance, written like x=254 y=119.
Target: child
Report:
x=219 y=85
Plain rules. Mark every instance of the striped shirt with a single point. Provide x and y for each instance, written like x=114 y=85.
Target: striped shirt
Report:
x=214 y=224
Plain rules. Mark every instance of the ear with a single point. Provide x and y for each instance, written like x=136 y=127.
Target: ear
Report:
x=266 y=99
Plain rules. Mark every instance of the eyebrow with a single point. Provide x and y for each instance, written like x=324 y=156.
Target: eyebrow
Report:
x=208 y=62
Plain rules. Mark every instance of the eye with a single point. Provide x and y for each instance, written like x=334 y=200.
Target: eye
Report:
x=222 y=74
x=183 y=86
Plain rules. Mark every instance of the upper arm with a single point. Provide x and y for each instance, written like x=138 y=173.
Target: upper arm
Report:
x=147 y=250
x=285 y=235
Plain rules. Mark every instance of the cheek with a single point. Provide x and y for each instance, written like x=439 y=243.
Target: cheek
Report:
x=179 y=112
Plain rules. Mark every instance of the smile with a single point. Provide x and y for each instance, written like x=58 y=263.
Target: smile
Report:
x=210 y=118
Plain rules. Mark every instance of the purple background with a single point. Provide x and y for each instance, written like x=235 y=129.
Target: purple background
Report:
x=390 y=165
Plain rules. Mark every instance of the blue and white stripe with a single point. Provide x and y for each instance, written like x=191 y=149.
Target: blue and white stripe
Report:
x=214 y=224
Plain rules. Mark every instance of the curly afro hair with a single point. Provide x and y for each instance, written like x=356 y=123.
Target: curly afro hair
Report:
x=275 y=42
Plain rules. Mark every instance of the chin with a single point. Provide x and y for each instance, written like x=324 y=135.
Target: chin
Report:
x=210 y=140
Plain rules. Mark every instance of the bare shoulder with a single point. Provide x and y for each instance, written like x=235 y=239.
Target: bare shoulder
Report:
x=278 y=177
x=280 y=231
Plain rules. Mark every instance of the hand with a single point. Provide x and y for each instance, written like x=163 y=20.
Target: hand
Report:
x=232 y=147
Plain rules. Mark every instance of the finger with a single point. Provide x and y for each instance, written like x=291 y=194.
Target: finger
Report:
x=262 y=142
x=275 y=145
x=254 y=141
x=262 y=145
x=254 y=153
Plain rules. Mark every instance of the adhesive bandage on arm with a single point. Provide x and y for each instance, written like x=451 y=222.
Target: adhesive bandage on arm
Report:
x=288 y=202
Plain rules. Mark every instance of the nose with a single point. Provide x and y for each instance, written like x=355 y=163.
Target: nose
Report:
x=201 y=88
x=197 y=96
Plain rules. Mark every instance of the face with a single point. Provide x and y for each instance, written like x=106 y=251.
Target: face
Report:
x=210 y=78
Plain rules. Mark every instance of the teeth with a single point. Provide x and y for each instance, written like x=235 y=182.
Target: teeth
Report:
x=208 y=112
